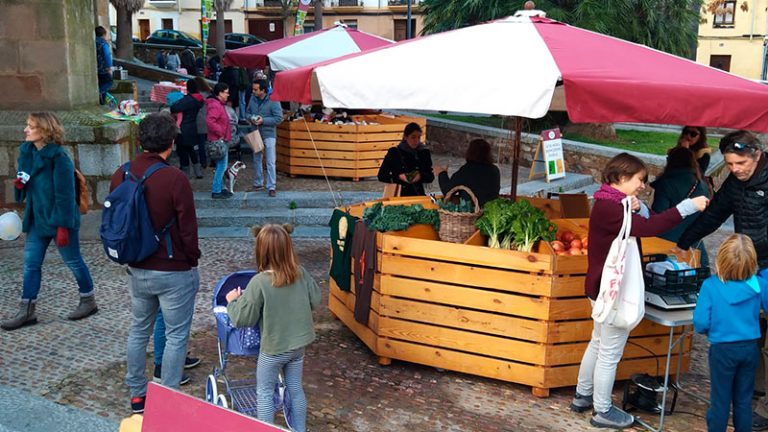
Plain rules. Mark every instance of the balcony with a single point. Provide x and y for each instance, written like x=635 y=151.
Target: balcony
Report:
x=162 y=3
x=347 y=6
x=269 y=7
x=402 y=5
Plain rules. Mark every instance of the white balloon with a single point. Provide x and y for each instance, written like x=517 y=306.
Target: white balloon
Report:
x=10 y=226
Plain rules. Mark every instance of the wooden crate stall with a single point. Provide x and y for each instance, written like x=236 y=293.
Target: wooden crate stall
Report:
x=346 y=151
x=508 y=315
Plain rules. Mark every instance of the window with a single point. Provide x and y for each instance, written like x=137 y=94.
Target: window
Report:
x=722 y=62
x=167 y=23
x=724 y=15
x=309 y=27
x=351 y=23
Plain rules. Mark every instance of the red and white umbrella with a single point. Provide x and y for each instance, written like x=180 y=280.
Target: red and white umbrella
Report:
x=514 y=65
x=293 y=52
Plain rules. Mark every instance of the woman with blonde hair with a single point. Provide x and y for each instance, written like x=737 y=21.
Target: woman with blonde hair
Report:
x=280 y=299
x=45 y=182
x=728 y=312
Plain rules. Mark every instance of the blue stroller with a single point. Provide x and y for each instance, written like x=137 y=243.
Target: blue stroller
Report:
x=241 y=393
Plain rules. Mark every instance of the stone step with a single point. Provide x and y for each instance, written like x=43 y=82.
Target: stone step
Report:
x=303 y=200
x=539 y=187
x=244 y=218
x=301 y=231
x=23 y=412
x=589 y=189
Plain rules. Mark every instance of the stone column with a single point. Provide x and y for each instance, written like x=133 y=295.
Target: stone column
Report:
x=48 y=54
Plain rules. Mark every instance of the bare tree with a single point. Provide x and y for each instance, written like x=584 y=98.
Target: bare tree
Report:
x=221 y=6
x=286 y=8
x=125 y=10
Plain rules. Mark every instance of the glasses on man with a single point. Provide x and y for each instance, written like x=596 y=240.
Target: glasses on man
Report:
x=740 y=147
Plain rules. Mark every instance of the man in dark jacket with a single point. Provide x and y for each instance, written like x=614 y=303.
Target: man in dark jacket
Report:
x=744 y=194
x=168 y=281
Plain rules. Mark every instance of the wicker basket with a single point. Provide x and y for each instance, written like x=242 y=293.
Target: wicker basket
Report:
x=457 y=227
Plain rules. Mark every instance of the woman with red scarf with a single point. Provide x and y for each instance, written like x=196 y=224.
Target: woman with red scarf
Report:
x=624 y=176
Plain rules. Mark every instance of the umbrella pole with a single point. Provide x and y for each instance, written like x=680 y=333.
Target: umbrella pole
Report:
x=518 y=121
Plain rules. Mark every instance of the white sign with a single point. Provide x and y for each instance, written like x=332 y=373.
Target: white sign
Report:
x=271 y=27
x=553 y=154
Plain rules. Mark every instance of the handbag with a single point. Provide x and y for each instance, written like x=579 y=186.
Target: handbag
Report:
x=621 y=301
x=254 y=141
x=216 y=150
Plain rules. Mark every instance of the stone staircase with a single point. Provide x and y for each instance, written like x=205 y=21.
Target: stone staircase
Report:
x=234 y=217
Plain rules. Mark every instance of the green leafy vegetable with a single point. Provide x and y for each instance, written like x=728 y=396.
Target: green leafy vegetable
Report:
x=398 y=217
x=495 y=221
x=514 y=225
x=529 y=226
x=463 y=206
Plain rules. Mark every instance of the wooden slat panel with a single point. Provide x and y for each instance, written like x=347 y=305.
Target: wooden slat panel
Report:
x=331 y=172
x=457 y=296
x=329 y=163
x=503 y=280
x=459 y=253
x=348 y=297
x=483 y=322
x=565 y=354
x=567 y=286
x=286 y=142
x=301 y=126
x=563 y=376
x=463 y=362
x=331 y=154
x=562 y=309
x=581 y=330
x=347 y=317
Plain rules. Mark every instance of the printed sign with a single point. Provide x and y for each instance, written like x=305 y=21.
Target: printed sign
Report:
x=552 y=143
x=301 y=14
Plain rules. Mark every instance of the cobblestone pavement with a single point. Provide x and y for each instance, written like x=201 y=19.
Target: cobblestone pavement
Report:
x=81 y=364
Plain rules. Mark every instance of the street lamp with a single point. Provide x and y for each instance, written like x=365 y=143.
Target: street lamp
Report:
x=408 y=21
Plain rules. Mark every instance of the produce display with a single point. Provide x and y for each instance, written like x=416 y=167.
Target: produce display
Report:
x=463 y=206
x=514 y=225
x=398 y=217
x=568 y=243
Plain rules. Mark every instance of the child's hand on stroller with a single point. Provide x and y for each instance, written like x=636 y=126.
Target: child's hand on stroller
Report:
x=234 y=294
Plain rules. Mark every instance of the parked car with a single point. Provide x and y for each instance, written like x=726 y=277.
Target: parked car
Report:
x=113 y=34
x=174 y=37
x=240 y=40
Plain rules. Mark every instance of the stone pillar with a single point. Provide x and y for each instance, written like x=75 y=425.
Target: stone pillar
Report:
x=48 y=54
x=101 y=14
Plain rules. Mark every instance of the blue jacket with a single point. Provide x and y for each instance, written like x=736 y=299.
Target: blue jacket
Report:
x=271 y=113
x=103 y=49
x=50 y=191
x=730 y=311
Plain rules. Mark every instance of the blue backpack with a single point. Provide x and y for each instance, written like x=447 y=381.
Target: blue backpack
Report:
x=126 y=229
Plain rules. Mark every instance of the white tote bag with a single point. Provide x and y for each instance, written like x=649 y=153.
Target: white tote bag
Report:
x=621 y=301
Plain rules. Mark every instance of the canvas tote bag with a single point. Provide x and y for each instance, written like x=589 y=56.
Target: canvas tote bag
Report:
x=621 y=301
x=254 y=141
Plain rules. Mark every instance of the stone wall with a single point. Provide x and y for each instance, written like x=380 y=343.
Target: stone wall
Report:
x=96 y=145
x=48 y=54
x=445 y=136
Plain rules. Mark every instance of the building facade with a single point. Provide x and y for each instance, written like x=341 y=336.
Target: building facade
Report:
x=265 y=18
x=733 y=37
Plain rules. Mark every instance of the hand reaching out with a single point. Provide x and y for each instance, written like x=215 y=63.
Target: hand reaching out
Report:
x=234 y=294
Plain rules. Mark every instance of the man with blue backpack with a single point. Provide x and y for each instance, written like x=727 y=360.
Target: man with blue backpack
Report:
x=149 y=223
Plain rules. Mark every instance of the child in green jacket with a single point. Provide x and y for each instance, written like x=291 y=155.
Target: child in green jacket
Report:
x=280 y=299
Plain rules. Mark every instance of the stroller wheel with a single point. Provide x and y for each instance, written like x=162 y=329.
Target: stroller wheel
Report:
x=221 y=401
x=211 y=389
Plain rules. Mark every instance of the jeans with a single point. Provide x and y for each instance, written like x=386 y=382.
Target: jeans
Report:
x=732 y=369
x=761 y=407
x=159 y=337
x=218 y=174
x=598 y=366
x=258 y=178
x=242 y=105
x=267 y=369
x=173 y=292
x=34 y=254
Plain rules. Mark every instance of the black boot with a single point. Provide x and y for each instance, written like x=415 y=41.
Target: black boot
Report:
x=86 y=308
x=24 y=317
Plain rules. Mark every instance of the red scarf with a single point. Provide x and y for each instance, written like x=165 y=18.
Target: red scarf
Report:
x=609 y=193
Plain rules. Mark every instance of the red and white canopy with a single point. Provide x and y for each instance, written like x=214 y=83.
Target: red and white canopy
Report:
x=513 y=66
x=293 y=52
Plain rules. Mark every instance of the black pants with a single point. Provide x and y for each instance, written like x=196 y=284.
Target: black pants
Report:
x=202 y=156
x=185 y=154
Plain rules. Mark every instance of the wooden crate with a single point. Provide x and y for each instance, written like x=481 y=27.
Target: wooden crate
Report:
x=347 y=151
x=518 y=317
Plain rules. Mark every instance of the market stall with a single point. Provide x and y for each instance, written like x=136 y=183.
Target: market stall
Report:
x=352 y=150
x=503 y=314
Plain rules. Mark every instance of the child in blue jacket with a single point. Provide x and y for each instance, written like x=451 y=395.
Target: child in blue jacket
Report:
x=728 y=312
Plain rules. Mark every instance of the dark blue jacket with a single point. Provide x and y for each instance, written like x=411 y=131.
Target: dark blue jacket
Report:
x=50 y=191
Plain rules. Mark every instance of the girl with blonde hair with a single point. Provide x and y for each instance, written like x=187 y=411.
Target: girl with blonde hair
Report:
x=280 y=299
x=728 y=312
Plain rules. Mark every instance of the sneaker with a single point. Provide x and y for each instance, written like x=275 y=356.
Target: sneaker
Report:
x=256 y=188
x=581 y=403
x=137 y=404
x=759 y=422
x=191 y=362
x=157 y=375
x=614 y=418
x=272 y=193
x=221 y=195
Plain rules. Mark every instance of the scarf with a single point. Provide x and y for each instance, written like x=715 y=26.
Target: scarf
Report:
x=607 y=192
x=406 y=148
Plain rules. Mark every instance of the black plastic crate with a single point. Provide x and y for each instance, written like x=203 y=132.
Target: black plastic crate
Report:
x=673 y=282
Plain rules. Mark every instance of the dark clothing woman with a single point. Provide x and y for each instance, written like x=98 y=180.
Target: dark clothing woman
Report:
x=188 y=106
x=405 y=160
x=703 y=158
x=483 y=179
x=672 y=187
